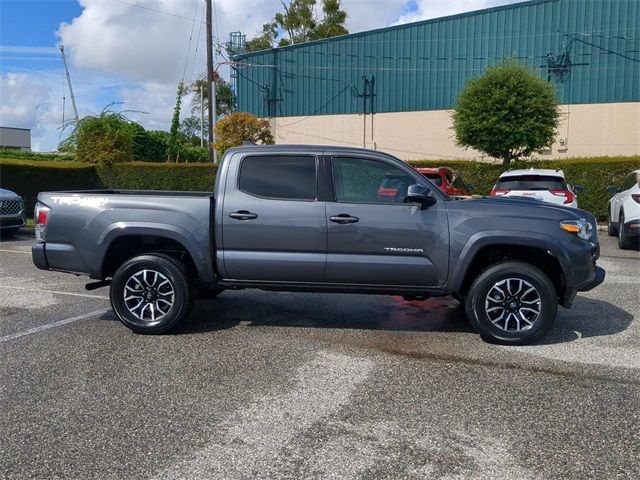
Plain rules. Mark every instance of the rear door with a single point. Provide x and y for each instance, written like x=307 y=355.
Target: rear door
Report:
x=374 y=237
x=273 y=226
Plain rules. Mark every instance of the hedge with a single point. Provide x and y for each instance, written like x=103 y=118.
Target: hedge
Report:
x=28 y=177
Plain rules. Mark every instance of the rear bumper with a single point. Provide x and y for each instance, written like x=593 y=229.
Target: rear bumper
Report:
x=38 y=256
x=632 y=228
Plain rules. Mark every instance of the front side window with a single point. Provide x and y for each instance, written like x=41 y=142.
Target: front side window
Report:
x=360 y=180
x=282 y=177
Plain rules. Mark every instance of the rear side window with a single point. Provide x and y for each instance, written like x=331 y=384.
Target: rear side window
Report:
x=279 y=177
x=531 y=182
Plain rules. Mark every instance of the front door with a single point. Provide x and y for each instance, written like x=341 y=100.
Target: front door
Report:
x=374 y=237
x=273 y=226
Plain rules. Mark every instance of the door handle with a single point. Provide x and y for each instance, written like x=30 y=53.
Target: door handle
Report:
x=243 y=215
x=343 y=219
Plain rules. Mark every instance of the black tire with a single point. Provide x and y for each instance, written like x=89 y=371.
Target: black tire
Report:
x=181 y=293
x=624 y=241
x=477 y=299
x=611 y=229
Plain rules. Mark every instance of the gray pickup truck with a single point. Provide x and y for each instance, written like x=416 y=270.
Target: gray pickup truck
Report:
x=322 y=219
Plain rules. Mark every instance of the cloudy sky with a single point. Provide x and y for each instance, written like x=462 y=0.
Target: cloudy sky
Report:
x=136 y=51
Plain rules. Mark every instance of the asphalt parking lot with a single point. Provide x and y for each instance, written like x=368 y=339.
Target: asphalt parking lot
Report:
x=278 y=385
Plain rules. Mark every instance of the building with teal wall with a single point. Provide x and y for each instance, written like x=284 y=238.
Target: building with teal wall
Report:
x=589 y=49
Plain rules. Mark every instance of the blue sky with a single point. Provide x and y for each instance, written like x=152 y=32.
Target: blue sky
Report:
x=136 y=51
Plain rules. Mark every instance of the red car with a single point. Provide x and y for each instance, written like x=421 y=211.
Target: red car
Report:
x=447 y=180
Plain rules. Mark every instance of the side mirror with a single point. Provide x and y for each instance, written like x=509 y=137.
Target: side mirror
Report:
x=578 y=188
x=418 y=193
x=612 y=189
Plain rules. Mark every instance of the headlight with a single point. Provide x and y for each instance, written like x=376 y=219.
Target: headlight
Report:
x=581 y=228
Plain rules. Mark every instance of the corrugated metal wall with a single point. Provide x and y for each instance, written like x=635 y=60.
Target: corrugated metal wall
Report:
x=424 y=65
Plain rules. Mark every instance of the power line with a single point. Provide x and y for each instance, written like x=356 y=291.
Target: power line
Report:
x=153 y=10
x=195 y=53
x=186 y=60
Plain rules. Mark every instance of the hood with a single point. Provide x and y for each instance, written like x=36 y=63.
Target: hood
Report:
x=528 y=206
x=8 y=195
x=513 y=211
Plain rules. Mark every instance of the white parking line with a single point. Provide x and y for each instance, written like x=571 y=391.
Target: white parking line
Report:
x=15 y=251
x=13 y=336
x=87 y=295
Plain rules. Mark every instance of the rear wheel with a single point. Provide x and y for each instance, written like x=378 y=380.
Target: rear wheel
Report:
x=624 y=241
x=151 y=293
x=611 y=229
x=511 y=303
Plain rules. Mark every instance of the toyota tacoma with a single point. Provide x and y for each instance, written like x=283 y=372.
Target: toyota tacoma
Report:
x=310 y=219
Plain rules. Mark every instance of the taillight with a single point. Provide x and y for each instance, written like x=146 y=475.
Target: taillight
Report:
x=41 y=216
x=496 y=192
x=636 y=197
x=567 y=194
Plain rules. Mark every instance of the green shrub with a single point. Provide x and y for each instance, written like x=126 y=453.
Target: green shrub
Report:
x=37 y=156
x=28 y=177
x=154 y=176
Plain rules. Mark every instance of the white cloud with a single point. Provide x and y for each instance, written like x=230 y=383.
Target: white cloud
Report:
x=24 y=102
x=427 y=9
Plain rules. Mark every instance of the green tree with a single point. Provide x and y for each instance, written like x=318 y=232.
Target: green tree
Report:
x=173 y=148
x=508 y=113
x=225 y=104
x=300 y=22
x=240 y=127
x=105 y=138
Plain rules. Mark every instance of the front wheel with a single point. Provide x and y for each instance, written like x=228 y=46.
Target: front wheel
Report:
x=511 y=303
x=151 y=293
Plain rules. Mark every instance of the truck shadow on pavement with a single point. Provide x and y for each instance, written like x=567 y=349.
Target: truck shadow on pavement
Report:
x=588 y=317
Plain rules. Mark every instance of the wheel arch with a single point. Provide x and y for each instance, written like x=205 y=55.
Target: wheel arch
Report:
x=121 y=242
x=484 y=251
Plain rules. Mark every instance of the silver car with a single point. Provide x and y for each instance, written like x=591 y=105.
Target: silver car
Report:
x=12 y=212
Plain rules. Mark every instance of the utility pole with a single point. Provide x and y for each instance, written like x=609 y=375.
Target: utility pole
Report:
x=210 y=79
x=73 y=98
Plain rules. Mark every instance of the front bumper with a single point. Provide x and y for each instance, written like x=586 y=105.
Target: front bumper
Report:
x=570 y=293
x=12 y=222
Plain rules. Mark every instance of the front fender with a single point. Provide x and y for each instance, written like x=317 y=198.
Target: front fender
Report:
x=461 y=260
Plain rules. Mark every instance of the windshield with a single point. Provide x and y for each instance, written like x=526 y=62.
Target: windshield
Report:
x=531 y=182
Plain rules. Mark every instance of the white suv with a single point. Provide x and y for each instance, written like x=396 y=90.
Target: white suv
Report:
x=624 y=212
x=541 y=184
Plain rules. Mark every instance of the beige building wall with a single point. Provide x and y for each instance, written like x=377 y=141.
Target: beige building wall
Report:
x=585 y=130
